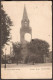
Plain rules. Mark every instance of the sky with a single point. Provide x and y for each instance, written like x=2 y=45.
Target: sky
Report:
x=40 y=17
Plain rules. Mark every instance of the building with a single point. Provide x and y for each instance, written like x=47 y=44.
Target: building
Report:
x=25 y=28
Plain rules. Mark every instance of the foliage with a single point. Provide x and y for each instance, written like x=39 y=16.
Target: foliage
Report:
x=17 y=52
x=37 y=49
x=38 y=46
x=5 y=23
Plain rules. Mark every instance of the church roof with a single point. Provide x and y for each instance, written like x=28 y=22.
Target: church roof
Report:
x=25 y=17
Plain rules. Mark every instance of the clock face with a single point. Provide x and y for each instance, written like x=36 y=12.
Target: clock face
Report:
x=28 y=37
x=25 y=23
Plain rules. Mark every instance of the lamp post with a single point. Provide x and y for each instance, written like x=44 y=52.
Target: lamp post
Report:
x=5 y=57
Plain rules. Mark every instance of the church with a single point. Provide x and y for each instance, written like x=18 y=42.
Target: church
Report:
x=25 y=28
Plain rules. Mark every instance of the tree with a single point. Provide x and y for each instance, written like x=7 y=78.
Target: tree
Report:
x=17 y=52
x=5 y=26
x=38 y=48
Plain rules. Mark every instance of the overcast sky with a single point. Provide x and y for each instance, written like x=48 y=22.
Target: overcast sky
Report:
x=39 y=14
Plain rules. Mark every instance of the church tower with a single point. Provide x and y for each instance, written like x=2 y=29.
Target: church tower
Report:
x=25 y=28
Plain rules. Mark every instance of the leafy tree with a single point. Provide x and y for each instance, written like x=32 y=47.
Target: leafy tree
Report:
x=17 y=52
x=5 y=26
x=38 y=48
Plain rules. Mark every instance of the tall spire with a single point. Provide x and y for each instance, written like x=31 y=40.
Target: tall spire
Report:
x=25 y=17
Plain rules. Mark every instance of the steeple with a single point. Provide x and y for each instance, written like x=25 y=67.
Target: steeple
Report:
x=25 y=17
x=25 y=28
x=25 y=20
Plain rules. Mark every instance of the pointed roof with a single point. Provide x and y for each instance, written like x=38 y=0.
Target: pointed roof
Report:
x=25 y=17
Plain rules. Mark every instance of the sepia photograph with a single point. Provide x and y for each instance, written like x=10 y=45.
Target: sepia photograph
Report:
x=26 y=39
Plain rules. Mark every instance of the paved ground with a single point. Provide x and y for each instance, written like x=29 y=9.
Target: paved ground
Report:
x=26 y=71
x=26 y=65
